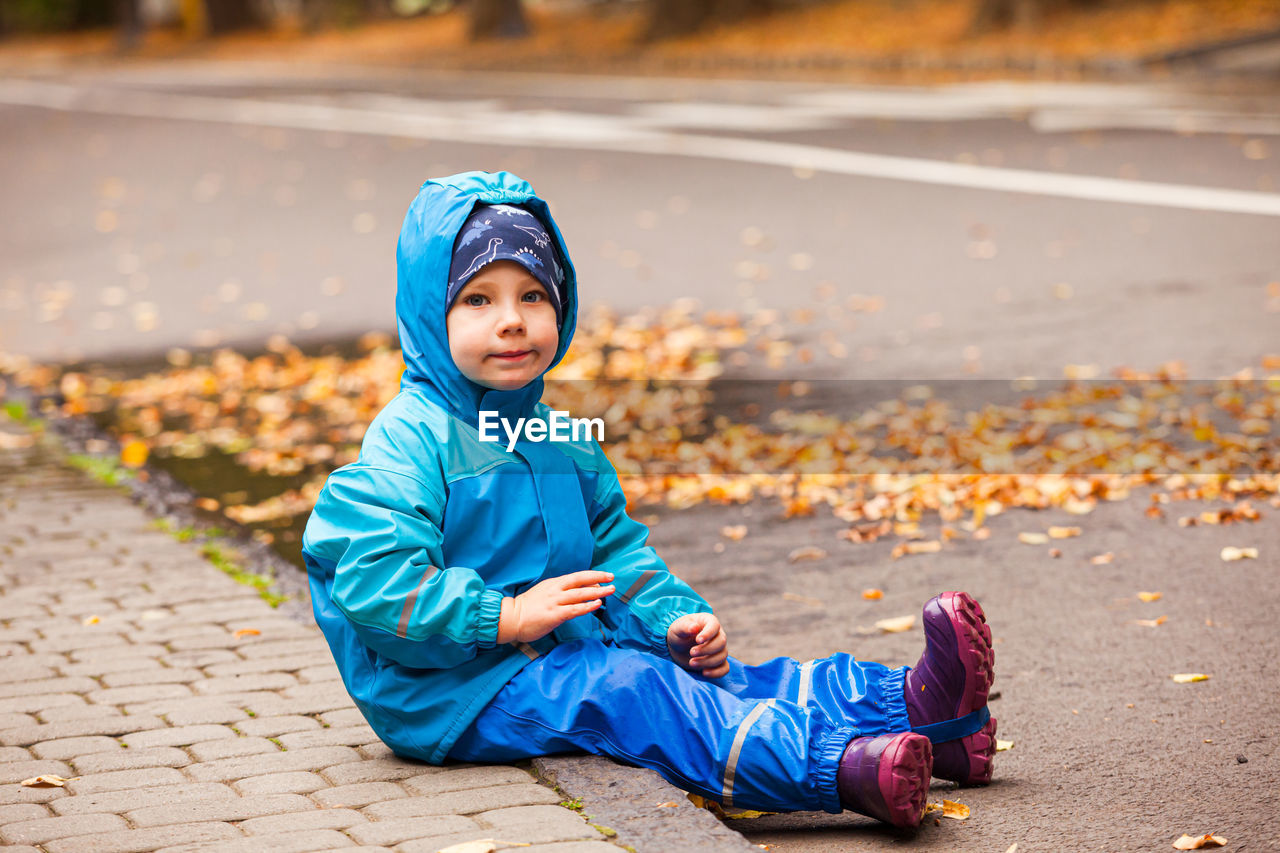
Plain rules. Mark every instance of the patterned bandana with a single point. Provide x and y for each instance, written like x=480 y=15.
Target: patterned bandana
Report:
x=504 y=232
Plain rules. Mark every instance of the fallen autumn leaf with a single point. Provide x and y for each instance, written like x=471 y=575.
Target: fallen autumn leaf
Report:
x=1230 y=554
x=1189 y=677
x=1187 y=842
x=896 y=625
x=47 y=781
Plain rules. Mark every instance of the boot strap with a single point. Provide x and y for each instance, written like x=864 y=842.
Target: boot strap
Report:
x=960 y=727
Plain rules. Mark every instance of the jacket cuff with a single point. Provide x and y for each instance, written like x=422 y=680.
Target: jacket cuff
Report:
x=487 y=624
x=659 y=641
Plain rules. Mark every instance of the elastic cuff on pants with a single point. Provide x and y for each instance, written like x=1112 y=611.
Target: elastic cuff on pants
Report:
x=829 y=755
x=892 y=684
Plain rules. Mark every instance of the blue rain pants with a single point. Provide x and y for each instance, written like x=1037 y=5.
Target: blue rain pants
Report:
x=763 y=737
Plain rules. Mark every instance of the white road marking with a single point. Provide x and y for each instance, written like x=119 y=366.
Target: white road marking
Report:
x=587 y=131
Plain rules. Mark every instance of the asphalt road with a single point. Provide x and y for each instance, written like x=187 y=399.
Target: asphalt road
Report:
x=189 y=207
x=274 y=207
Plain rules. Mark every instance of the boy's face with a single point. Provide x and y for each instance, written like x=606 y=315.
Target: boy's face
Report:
x=502 y=327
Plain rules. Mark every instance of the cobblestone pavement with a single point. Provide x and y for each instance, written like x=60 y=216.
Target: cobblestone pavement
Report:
x=188 y=715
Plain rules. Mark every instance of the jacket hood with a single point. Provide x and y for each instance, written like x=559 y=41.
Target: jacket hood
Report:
x=423 y=257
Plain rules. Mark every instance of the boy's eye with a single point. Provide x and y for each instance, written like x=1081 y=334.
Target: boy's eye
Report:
x=474 y=296
x=536 y=294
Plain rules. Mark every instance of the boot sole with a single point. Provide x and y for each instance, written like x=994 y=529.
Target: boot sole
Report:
x=903 y=778
x=973 y=644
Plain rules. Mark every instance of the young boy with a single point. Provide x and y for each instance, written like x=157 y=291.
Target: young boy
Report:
x=486 y=604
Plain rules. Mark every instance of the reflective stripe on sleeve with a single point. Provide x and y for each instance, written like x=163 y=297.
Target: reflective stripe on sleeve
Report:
x=528 y=650
x=806 y=678
x=402 y=630
x=637 y=586
x=731 y=765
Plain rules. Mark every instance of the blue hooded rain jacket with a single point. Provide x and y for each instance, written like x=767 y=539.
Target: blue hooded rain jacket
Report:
x=411 y=549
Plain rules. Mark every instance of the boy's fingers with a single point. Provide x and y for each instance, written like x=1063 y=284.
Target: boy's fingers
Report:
x=587 y=578
x=578 y=595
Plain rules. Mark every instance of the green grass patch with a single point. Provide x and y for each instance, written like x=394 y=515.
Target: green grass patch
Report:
x=226 y=560
x=102 y=469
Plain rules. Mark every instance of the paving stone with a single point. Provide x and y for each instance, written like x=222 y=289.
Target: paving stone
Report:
x=392 y=832
x=465 y=778
x=201 y=658
x=276 y=726
x=131 y=759
x=376 y=751
x=297 y=782
x=281 y=762
x=271 y=663
x=39 y=702
x=71 y=747
x=320 y=673
x=537 y=824
x=287 y=842
x=239 y=683
x=343 y=717
x=47 y=829
x=177 y=736
x=572 y=847
x=106 y=666
x=280 y=648
x=22 y=848
x=22 y=811
x=152 y=675
x=119 y=802
x=231 y=747
x=79 y=710
x=318 y=819
x=437 y=843
x=142 y=840
x=16 y=671
x=379 y=770
x=149 y=651
x=16 y=771
x=13 y=721
x=273 y=705
x=17 y=753
x=361 y=794
x=79 y=641
x=238 y=808
x=46 y=686
x=465 y=802
x=347 y=736
x=120 y=780
x=141 y=693
x=15 y=794
x=197 y=711
x=100 y=725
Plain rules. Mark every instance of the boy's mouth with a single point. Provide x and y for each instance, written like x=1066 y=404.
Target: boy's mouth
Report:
x=512 y=355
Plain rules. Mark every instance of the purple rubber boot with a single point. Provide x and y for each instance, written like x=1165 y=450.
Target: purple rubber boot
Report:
x=952 y=679
x=886 y=777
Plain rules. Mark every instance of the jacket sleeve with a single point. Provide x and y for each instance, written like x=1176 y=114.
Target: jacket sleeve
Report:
x=648 y=598
x=380 y=529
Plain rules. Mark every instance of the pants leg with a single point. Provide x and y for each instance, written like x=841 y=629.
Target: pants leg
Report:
x=744 y=739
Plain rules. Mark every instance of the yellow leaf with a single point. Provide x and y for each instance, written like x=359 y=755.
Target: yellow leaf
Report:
x=1187 y=842
x=954 y=810
x=808 y=552
x=872 y=594
x=1151 y=623
x=1102 y=559
x=1013 y=848
x=734 y=532
x=1033 y=539
x=710 y=805
x=933 y=546
x=748 y=814
x=1149 y=596
x=1189 y=677
x=247 y=632
x=1231 y=554
x=1003 y=745
x=896 y=625
x=91 y=620
x=668 y=805
x=48 y=781
x=134 y=454
x=1064 y=532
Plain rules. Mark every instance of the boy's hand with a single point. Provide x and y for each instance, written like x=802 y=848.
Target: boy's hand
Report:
x=697 y=643
x=541 y=609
